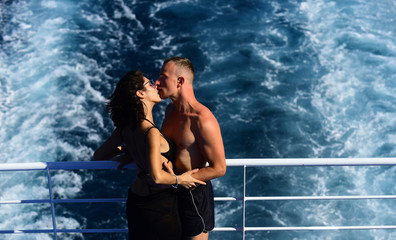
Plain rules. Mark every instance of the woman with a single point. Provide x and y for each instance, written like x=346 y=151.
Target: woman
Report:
x=152 y=204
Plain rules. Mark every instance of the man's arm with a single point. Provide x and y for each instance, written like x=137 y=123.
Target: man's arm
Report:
x=208 y=136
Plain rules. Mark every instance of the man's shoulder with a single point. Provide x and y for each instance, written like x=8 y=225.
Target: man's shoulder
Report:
x=202 y=110
x=205 y=117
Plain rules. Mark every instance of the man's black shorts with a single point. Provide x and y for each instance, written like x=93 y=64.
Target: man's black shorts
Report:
x=196 y=209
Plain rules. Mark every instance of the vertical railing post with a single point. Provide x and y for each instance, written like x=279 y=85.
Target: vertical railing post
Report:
x=244 y=202
x=52 y=203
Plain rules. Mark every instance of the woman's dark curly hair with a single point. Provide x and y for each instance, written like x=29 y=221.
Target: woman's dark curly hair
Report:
x=124 y=106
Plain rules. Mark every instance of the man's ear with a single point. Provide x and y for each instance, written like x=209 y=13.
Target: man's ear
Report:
x=180 y=81
x=140 y=93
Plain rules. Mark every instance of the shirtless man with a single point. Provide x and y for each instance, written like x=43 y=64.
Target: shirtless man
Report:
x=196 y=133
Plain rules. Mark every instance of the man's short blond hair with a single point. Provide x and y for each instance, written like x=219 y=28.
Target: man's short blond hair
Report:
x=183 y=63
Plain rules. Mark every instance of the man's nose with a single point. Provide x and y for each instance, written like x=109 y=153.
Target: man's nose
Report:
x=157 y=83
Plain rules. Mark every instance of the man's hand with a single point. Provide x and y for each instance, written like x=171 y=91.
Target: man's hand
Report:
x=185 y=180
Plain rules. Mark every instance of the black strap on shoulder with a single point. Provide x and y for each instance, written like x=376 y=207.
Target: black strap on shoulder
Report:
x=150 y=122
x=145 y=134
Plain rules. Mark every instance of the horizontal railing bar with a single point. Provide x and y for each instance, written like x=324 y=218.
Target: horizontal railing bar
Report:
x=25 y=201
x=321 y=197
x=319 y=228
x=64 y=231
x=216 y=229
x=91 y=200
x=29 y=166
x=227 y=229
x=86 y=165
x=23 y=166
x=306 y=198
x=274 y=198
x=92 y=230
x=26 y=231
x=280 y=162
x=250 y=162
x=228 y=198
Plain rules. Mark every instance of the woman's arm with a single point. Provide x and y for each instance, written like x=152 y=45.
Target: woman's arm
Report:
x=123 y=159
x=110 y=148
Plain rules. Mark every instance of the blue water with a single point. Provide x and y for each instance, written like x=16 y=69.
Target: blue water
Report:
x=288 y=78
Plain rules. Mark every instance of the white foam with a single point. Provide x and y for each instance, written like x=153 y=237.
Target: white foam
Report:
x=348 y=51
x=67 y=184
x=49 y=4
x=129 y=13
x=159 y=6
x=30 y=108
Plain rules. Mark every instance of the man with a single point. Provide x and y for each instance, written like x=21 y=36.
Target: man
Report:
x=196 y=133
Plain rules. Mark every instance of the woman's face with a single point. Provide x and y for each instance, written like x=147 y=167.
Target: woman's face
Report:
x=151 y=90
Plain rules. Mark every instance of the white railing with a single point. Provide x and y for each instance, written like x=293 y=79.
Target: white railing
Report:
x=230 y=163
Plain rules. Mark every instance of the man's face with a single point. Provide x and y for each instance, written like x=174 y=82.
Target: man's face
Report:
x=167 y=81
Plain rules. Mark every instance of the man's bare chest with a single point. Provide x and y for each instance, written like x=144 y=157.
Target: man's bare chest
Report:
x=180 y=132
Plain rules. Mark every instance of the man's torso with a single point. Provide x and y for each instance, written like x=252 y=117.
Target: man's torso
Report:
x=182 y=129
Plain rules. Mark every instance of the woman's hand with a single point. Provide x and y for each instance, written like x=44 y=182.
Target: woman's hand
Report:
x=168 y=168
x=188 y=181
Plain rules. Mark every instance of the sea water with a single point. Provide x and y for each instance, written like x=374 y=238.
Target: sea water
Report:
x=288 y=78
